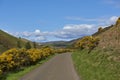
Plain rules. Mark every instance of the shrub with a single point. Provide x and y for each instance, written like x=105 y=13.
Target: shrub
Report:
x=118 y=21
x=15 y=59
x=87 y=42
x=100 y=29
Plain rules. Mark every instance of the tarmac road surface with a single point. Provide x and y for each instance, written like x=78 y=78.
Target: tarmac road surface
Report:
x=59 y=67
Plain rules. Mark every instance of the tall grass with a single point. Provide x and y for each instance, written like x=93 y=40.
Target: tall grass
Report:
x=98 y=65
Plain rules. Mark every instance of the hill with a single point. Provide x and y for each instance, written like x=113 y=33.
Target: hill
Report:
x=57 y=44
x=61 y=44
x=8 y=41
x=110 y=37
x=103 y=62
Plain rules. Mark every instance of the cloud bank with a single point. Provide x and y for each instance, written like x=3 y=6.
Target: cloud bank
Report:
x=69 y=31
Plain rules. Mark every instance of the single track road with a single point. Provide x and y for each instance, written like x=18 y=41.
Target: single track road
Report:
x=59 y=67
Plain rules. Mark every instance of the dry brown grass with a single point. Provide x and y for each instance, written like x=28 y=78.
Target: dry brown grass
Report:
x=110 y=41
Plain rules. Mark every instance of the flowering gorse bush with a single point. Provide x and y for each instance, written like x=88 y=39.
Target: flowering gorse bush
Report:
x=15 y=59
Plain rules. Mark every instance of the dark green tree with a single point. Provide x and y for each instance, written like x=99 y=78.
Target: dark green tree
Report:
x=28 y=45
x=34 y=45
x=18 y=44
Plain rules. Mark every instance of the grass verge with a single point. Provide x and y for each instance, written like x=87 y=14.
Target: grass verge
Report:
x=98 y=65
x=17 y=75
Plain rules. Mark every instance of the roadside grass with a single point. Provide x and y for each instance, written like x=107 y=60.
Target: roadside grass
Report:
x=17 y=75
x=97 y=65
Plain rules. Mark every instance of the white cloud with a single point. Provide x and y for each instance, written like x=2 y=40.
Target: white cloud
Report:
x=100 y=21
x=79 y=26
x=40 y=38
x=78 y=30
x=69 y=31
x=113 y=19
x=85 y=19
x=115 y=3
x=37 y=32
x=36 y=35
x=26 y=34
x=75 y=31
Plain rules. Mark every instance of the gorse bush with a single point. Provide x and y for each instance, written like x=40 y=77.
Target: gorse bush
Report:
x=16 y=59
x=87 y=42
x=100 y=29
x=118 y=21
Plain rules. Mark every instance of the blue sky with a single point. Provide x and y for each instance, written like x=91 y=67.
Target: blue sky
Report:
x=50 y=20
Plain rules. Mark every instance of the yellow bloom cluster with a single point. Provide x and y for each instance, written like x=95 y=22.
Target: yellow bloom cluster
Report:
x=15 y=59
x=118 y=21
x=87 y=42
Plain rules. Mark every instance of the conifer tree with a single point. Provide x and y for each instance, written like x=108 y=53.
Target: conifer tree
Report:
x=28 y=46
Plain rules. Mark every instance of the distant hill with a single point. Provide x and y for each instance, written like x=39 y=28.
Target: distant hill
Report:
x=8 y=41
x=61 y=44
x=57 y=44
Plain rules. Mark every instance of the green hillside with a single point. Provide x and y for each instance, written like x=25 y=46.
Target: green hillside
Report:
x=103 y=62
x=8 y=41
x=57 y=44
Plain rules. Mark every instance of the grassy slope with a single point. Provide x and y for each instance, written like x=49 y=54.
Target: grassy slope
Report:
x=8 y=41
x=96 y=66
x=102 y=63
